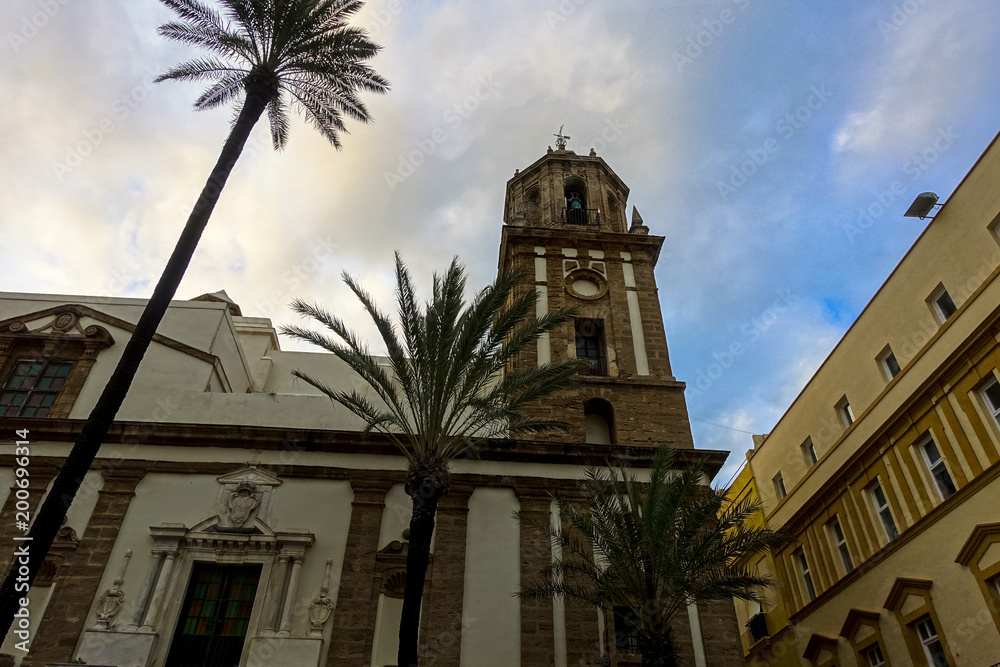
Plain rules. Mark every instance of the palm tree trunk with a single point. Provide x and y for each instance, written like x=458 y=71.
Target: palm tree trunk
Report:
x=49 y=518
x=659 y=650
x=425 y=502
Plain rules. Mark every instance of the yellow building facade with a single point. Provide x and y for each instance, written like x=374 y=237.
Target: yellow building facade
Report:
x=885 y=466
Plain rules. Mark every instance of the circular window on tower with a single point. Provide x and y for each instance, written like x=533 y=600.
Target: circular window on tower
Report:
x=586 y=284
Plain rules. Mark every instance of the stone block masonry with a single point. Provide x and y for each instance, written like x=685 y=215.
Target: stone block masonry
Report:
x=78 y=583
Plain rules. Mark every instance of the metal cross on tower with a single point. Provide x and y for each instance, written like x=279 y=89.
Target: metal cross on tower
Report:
x=561 y=139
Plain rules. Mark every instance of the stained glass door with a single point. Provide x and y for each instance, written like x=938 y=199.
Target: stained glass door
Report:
x=215 y=616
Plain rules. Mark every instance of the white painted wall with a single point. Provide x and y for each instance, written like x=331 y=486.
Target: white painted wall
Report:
x=385 y=649
x=491 y=615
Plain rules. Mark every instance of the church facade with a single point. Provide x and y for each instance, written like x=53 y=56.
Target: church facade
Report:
x=234 y=516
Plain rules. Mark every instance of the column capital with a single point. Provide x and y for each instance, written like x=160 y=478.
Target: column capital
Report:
x=370 y=490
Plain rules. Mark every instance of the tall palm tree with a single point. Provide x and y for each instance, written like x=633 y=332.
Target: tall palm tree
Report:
x=267 y=53
x=448 y=386
x=653 y=548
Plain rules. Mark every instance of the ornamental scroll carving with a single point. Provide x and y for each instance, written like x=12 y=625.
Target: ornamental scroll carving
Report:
x=322 y=606
x=111 y=601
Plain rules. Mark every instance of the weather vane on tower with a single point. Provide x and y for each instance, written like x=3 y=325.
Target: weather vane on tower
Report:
x=561 y=139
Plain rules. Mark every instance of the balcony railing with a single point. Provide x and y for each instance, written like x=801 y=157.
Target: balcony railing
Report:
x=595 y=366
x=581 y=216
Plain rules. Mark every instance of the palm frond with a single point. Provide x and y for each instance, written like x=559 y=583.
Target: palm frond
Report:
x=300 y=51
x=653 y=546
x=447 y=388
x=277 y=117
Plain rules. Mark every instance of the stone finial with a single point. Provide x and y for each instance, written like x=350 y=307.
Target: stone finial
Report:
x=110 y=603
x=549 y=150
x=593 y=153
x=321 y=606
x=561 y=139
x=637 y=226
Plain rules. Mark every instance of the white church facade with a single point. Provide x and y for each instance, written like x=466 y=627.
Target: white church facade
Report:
x=234 y=516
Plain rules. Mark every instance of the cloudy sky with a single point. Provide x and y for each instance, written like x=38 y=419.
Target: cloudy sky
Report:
x=774 y=144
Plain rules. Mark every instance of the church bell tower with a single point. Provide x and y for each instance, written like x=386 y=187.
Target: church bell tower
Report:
x=565 y=227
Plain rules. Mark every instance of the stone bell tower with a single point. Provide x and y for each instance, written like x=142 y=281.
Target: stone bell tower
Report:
x=565 y=227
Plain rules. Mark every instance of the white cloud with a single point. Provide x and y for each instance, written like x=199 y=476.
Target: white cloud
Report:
x=930 y=56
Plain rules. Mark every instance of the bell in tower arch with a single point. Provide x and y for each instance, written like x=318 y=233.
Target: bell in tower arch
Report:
x=576 y=203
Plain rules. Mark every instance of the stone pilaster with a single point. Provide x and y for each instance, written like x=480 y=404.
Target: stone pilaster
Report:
x=583 y=634
x=39 y=479
x=354 y=614
x=77 y=585
x=537 y=637
x=444 y=592
x=720 y=633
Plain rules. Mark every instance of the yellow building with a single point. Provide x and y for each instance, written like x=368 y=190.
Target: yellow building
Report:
x=885 y=466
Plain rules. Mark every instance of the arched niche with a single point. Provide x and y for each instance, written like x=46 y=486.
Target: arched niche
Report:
x=599 y=422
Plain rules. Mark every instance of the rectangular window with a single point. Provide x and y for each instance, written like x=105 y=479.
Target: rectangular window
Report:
x=809 y=452
x=807 y=580
x=845 y=412
x=590 y=345
x=779 y=486
x=840 y=544
x=887 y=360
x=757 y=626
x=32 y=387
x=882 y=509
x=626 y=630
x=873 y=654
x=942 y=304
x=215 y=617
x=991 y=393
x=937 y=468
x=931 y=643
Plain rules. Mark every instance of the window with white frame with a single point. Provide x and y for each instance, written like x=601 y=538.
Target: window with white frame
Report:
x=809 y=452
x=936 y=466
x=991 y=392
x=807 y=580
x=779 y=486
x=845 y=411
x=887 y=360
x=942 y=304
x=840 y=544
x=881 y=504
x=931 y=643
x=873 y=654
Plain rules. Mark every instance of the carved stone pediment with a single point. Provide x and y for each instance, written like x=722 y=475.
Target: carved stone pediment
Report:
x=56 y=328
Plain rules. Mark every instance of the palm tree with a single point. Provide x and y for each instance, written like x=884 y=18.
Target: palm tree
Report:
x=267 y=53
x=448 y=385
x=653 y=548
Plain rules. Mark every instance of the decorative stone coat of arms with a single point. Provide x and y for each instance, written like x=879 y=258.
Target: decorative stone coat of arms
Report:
x=244 y=498
x=242 y=503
